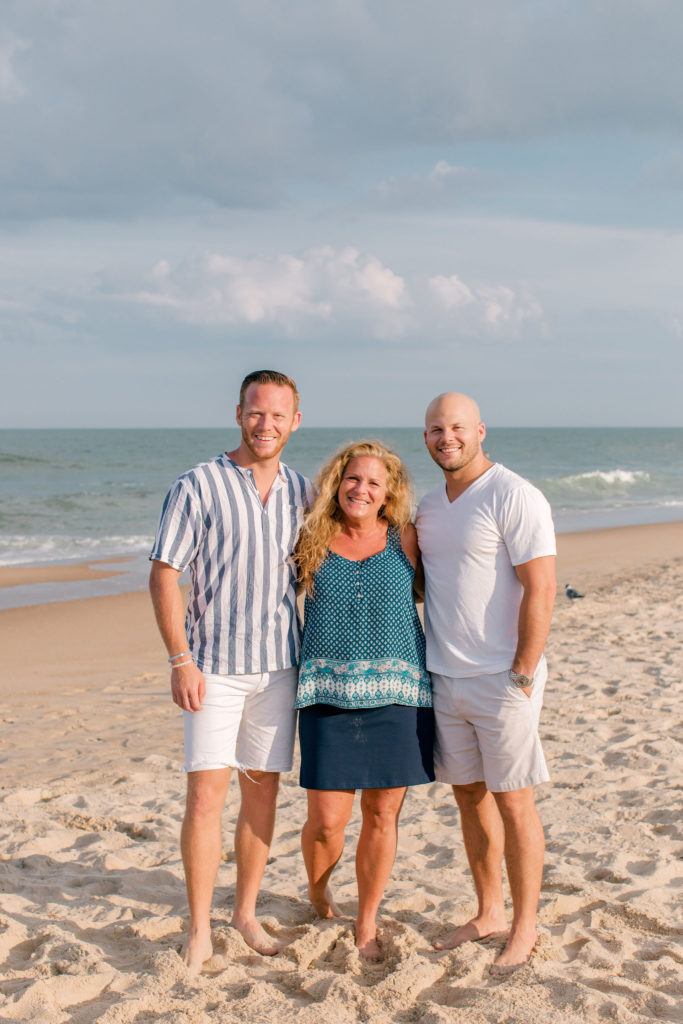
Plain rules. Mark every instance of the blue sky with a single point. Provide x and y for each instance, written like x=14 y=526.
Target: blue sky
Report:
x=384 y=199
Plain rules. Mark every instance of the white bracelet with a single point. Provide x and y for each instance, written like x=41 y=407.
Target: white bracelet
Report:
x=180 y=664
x=175 y=657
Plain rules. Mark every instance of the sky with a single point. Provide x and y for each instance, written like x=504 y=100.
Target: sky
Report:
x=383 y=199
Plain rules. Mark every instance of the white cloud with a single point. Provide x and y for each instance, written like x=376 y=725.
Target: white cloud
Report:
x=497 y=307
x=451 y=291
x=333 y=287
x=322 y=285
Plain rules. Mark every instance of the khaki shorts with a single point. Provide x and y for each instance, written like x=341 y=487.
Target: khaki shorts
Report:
x=487 y=731
x=246 y=722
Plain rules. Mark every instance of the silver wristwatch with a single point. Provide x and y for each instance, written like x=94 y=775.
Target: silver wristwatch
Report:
x=519 y=680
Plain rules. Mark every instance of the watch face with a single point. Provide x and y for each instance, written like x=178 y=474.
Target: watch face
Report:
x=518 y=679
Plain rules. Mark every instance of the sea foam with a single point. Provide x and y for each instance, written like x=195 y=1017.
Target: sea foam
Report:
x=28 y=549
x=616 y=481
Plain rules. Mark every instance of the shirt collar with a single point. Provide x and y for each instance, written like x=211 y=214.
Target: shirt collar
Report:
x=281 y=477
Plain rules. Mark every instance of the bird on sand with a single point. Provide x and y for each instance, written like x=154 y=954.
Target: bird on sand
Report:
x=571 y=593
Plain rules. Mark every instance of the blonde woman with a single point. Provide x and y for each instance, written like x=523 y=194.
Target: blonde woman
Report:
x=365 y=700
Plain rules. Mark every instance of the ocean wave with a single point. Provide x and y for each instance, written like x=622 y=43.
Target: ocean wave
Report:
x=24 y=549
x=12 y=459
x=597 y=481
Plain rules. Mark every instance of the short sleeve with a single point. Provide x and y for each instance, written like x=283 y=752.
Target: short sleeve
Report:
x=180 y=528
x=527 y=525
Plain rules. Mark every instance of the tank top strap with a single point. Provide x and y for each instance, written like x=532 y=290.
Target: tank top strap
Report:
x=394 y=539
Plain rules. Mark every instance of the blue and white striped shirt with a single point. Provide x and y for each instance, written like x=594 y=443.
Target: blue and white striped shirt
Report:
x=241 y=616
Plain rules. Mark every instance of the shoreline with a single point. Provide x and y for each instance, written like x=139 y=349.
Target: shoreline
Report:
x=588 y=551
x=61 y=572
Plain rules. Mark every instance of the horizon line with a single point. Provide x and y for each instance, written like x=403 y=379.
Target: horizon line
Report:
x=365 y=426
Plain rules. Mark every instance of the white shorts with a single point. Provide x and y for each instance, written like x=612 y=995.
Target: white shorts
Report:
x=246 y=722
x=487 y=731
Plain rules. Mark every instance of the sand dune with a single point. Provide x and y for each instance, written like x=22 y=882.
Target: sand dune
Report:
x=92 y=902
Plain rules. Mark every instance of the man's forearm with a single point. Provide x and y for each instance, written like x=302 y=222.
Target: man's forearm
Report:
x=539 y=588
x=169 y=609
x=535 y=614
x=188 y=685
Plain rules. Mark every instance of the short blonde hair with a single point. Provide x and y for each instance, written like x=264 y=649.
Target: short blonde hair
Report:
x=323 y=521
x=269 y=377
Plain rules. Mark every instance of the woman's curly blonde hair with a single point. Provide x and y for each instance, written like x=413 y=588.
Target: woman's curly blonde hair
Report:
x=323 y=521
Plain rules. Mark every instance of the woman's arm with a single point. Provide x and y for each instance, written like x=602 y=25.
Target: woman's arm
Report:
x=412 y=553
x=409 y=545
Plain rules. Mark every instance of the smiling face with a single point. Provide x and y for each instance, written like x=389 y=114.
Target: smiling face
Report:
x=454 y=432
x=267 y=418
x=363 y=490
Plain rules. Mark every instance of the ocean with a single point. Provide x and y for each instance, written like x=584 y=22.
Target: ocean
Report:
x=92 y=494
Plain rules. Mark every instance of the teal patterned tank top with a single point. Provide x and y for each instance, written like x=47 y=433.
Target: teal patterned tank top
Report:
x=363 y=644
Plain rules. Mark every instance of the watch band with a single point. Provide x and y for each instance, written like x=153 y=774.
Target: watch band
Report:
x=522 y=681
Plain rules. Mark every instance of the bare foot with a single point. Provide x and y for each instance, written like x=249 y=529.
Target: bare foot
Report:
x=474 y=931
x=368 y=945
x=516 y=954
x=255 y=936
x=324 y=905
x=197 y=949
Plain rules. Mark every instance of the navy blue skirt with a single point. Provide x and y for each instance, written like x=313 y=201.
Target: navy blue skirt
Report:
x=367 y=748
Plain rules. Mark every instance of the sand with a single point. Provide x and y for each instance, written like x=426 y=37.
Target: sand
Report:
x=19 y=575
x=92 y=902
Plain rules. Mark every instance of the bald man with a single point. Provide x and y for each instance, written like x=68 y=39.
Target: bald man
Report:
x=488 y=549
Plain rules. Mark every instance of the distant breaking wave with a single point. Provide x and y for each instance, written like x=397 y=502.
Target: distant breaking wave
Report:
x=598 y=482
x=27 y=549
x=10 y=459
x=611 y=476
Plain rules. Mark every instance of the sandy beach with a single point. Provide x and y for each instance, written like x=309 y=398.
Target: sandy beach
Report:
x=92 y=904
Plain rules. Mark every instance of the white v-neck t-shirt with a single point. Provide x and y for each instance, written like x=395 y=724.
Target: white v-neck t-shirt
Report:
x=469 y=548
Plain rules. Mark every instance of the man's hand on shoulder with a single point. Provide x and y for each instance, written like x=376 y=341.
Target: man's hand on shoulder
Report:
x=188 y=687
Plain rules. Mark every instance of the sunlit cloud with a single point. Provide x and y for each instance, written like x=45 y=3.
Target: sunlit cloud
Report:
x=491 y=306
x=332 y=287
x=289 y=290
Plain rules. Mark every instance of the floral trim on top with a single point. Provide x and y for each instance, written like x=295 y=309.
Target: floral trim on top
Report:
x=362 y=684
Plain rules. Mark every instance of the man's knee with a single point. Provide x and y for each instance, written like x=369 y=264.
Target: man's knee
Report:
x=206 y=792
x=259 y=786
x=471 y=795
x=516 y=805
